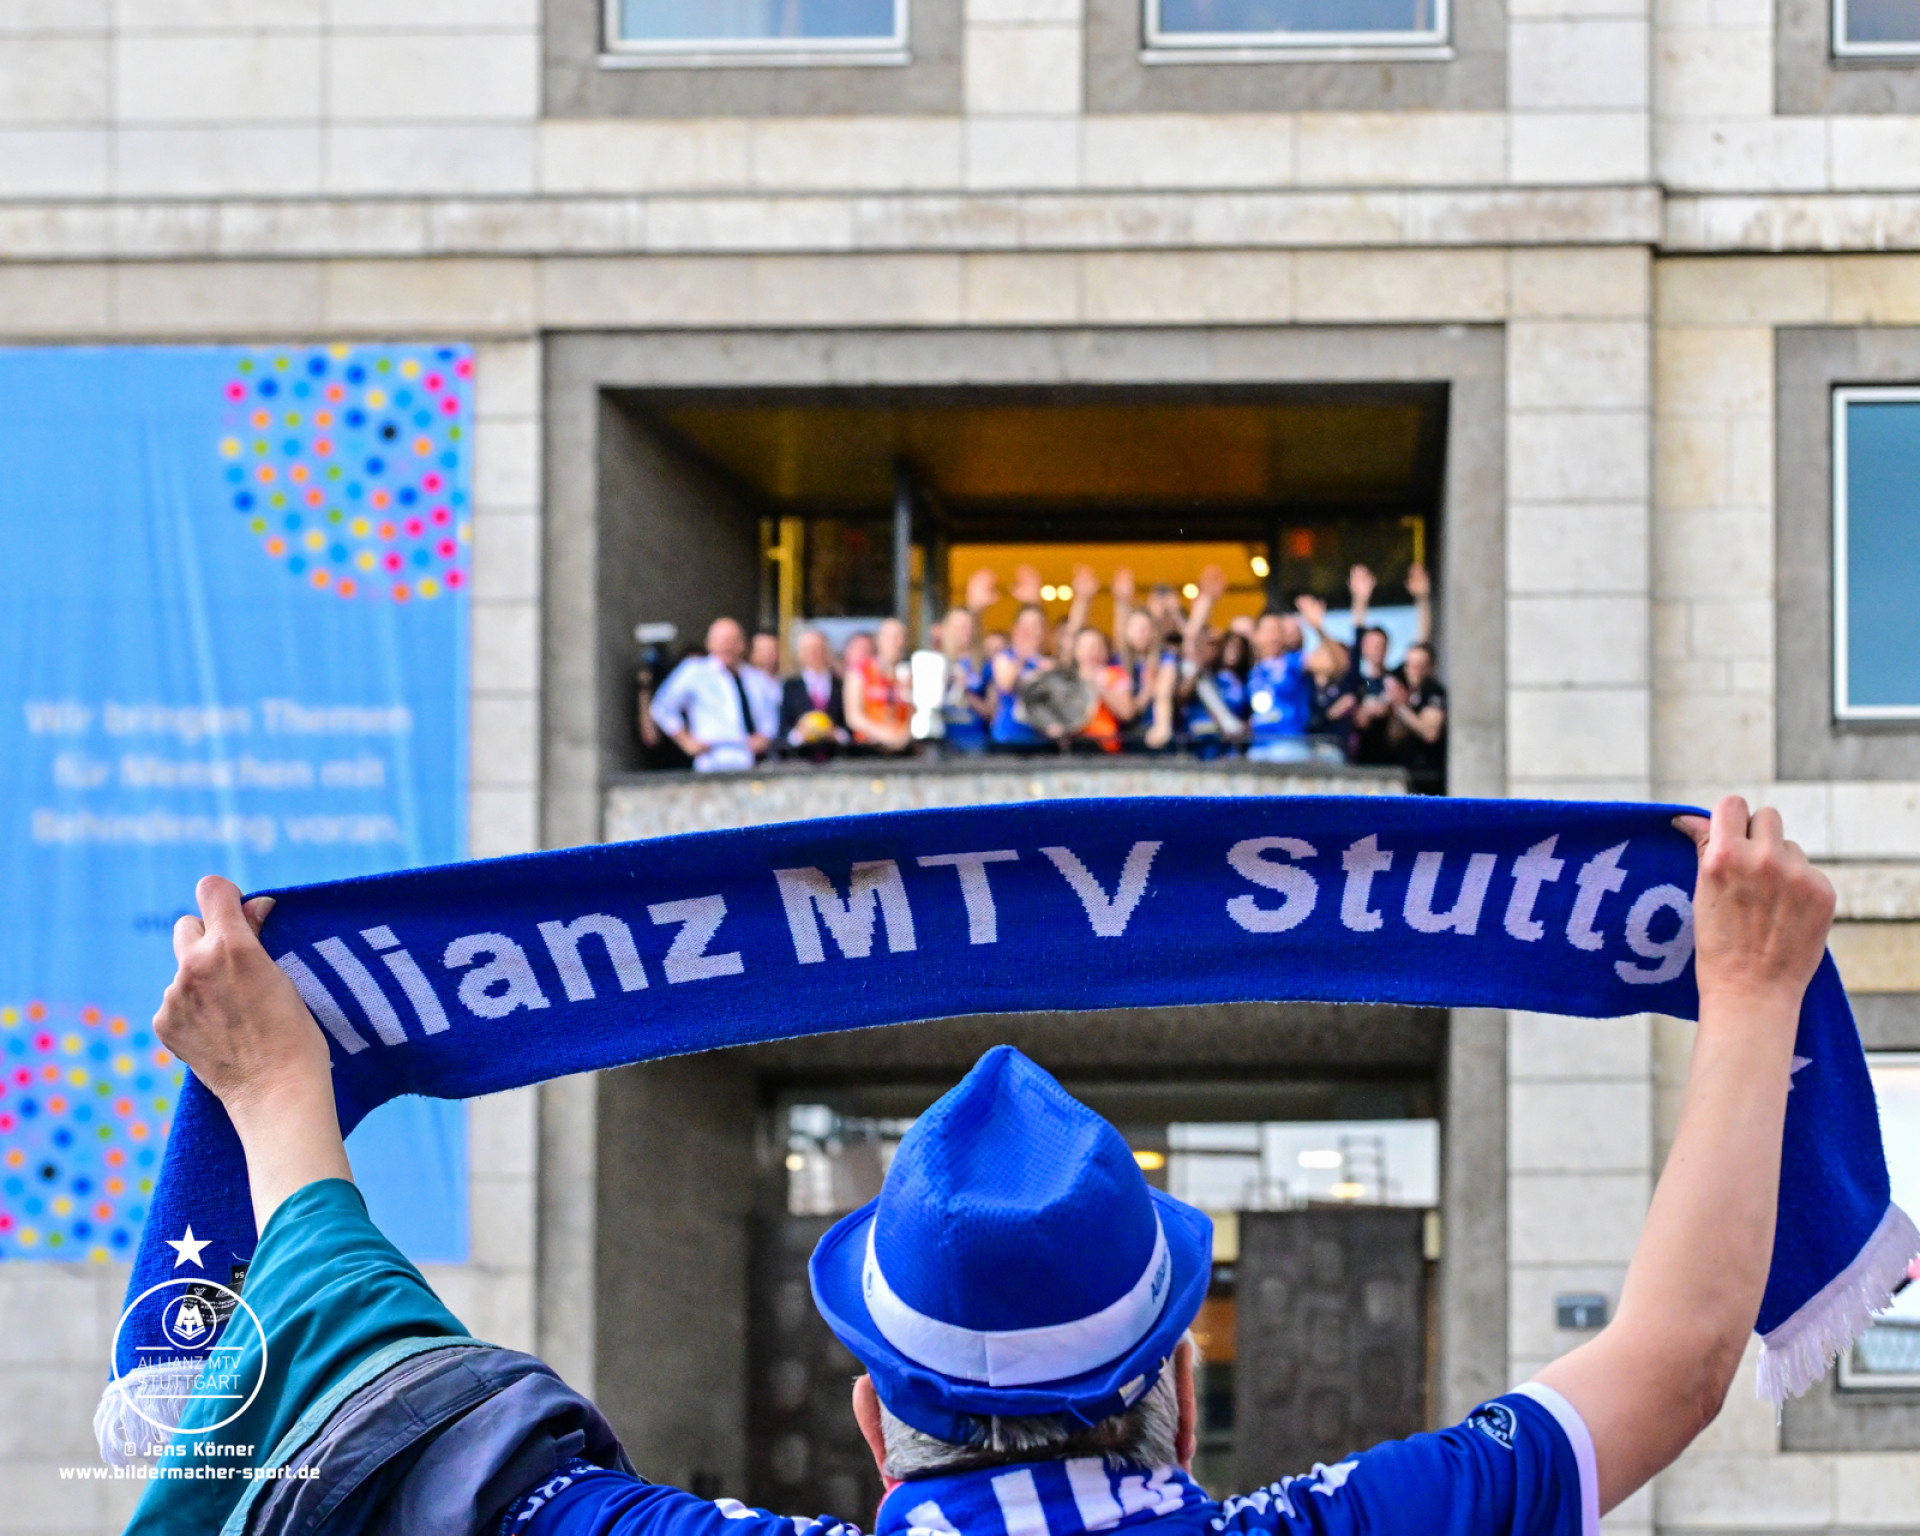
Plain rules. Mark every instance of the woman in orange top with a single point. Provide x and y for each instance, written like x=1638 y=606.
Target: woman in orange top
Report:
x=1112 y=691
x=878 y=708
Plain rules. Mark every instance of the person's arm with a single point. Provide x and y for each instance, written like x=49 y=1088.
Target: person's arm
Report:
x=669 y=710
x=983 y=591
x=232 y=1015
x=1657 y=1375
x=1360 y=585
x=854 y=700
x=1166 y=679
x=1420 y=589
x=1212 y=587
x=1122 y=611
x=867 y=730
x=1313 y=614
x=979 y=698
x=1425 y=723
x=763 y=728
x=1085 y=584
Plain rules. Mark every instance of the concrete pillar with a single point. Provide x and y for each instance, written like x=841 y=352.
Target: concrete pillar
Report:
x=675 y=1197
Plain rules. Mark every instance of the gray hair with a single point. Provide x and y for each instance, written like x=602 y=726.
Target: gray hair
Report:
x=1145 y=1435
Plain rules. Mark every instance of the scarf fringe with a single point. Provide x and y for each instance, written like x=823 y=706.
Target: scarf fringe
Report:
x=130 y=1435
x=1799 y=1352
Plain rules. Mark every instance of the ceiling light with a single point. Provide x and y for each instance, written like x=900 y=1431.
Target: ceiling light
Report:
x=1065 y=593
x=1048 y=593
x=1150 y=1160
x=796 y=1161
x=1347 y=1190
x=1190 y=591
x=1319 y=1157
x=1260 y=566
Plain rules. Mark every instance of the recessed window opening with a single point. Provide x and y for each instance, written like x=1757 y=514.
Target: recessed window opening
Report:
x=1876 y=29
x=1073 y=574
x=1887 y=1355
x=1289 y=24
x=1876 y=553
x=683 y=27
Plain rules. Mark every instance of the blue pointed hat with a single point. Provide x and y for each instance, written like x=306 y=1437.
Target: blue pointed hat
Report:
x=1016 y=1263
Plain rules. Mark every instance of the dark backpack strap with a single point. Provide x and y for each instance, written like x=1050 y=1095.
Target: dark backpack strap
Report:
x=433 y=1443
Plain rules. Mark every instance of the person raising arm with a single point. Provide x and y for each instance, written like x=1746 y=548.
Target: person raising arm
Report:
x=1656 y=1376
x=234 y=1017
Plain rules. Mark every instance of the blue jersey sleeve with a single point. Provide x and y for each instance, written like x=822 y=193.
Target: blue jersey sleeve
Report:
x=1521 y=1465
x=584 y=1500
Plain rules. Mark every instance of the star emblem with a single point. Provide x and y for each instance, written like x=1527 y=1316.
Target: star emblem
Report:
x=1800 y=1064
x=188 y=1248
x=1330 y=1480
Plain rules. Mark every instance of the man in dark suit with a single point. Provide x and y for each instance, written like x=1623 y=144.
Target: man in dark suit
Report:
x=815 y=688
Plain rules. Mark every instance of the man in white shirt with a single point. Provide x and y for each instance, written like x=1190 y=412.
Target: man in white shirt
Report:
x=710 y=710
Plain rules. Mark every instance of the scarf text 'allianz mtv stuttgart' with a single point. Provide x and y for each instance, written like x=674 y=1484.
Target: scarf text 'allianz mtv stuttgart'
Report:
x=473 y=978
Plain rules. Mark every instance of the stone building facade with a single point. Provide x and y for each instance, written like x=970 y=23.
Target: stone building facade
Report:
x=1638 y=240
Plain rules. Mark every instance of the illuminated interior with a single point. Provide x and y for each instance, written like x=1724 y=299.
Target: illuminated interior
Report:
x=880 y=502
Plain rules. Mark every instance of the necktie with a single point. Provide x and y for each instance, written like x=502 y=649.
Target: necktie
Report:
x=746 y=710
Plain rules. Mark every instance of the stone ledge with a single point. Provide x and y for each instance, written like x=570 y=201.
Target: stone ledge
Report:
x=243 y=228
x=1875 y=892
x=1810 y=221
x=660 y=804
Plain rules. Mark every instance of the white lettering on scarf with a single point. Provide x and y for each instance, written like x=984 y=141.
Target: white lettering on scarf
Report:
x=1299 y=888
x=563 y=948
x=983 y=920
x=1109 y=915
x=687 y=958
x=507 y=968
x=806 y=890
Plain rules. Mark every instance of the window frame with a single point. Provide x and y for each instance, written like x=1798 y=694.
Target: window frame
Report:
x=1844 y=49
x=1862 y=1383
x=1845 y=395
x=1158 y=45
x=692 y=52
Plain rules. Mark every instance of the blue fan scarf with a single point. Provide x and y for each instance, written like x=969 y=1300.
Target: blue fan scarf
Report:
x=469 y=979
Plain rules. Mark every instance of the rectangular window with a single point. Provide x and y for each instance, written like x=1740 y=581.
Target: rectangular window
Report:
x=1240 y=25
x=1867 y=29
x=1888 y=1354
x=746 y=27
x=1876 y=553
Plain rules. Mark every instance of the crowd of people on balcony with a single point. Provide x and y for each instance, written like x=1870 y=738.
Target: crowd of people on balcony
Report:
x=1277 y=688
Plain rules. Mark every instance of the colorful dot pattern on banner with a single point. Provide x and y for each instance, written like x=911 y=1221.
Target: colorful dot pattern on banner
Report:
x=348 y=464
x=86 y=1100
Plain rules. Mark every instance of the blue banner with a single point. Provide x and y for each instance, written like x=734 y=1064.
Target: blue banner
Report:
x=236 y=643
